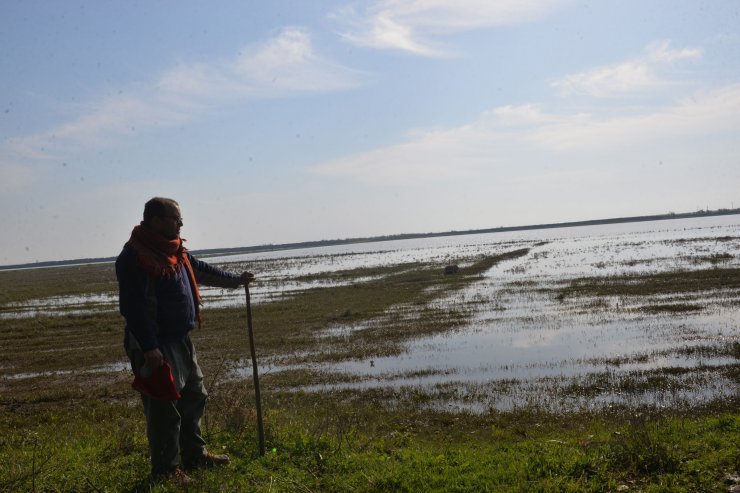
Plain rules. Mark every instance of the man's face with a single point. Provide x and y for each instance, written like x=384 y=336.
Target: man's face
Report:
x=168 y=224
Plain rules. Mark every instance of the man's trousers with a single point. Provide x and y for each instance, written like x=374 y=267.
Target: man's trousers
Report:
x=173 y=427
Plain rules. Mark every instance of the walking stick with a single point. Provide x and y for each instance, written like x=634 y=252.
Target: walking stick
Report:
x=255 y=374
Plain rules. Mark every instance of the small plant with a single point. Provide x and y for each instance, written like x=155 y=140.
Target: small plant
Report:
x=642 y=450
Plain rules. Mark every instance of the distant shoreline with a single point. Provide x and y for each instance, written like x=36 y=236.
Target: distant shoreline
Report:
x=403 y=236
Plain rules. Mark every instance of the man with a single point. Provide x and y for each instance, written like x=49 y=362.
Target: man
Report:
x=159 y=299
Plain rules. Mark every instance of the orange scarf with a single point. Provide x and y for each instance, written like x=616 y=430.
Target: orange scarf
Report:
x=161 y=258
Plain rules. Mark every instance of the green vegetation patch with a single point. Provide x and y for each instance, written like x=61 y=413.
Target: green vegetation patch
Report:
x=56 y=343
x=672 y=308
x=654 y=283
x=332 y=446
x=27 y=284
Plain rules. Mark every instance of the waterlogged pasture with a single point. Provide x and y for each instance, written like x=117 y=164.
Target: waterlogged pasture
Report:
x=581 y=359
x=638 y=314
x=630 y=314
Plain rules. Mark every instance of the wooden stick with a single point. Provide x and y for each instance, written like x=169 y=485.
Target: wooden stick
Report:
x=255 y=374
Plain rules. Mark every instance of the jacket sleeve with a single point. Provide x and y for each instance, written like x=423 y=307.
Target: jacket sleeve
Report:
x=210 y=275
x=137 y=302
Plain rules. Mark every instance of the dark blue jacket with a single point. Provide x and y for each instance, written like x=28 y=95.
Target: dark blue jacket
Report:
x=159 y=311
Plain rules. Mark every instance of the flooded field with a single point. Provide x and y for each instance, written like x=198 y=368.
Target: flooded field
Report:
x=576 y=318
x=530 y=338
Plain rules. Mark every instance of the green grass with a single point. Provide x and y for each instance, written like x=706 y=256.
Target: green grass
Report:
x=341 y=447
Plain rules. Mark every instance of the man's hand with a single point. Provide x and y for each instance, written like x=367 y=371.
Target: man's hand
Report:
x=246 y=278
x=153 y=359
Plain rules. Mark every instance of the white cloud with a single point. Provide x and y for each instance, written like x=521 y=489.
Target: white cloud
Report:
x=429 y=156
x=513 y=116
x=284 y=65
x=640 y=74
x=289 y=64
x=508 y=140
x=713 y=113
x=661 y=51
x=382 y=31
x=425 y=159
x=412 y=25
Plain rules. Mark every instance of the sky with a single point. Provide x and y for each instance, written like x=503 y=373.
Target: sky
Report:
x=289 y=120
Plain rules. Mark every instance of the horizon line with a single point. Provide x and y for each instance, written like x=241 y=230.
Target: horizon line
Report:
x=270 y=247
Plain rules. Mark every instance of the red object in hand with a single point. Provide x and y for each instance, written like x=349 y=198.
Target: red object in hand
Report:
x=159 y=385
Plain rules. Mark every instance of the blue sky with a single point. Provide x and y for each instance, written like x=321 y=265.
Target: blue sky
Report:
x=285 y=121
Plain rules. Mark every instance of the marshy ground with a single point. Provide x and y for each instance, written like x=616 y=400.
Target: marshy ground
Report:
x=600 y=361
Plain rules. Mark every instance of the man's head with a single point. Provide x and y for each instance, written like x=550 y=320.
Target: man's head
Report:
x=163 y=215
